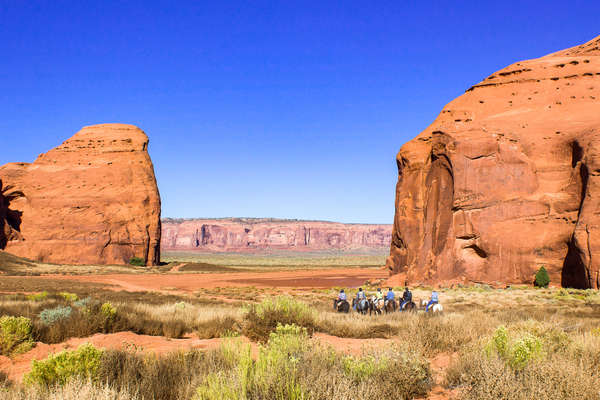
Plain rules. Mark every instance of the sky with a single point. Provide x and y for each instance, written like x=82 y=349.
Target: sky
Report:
x=281 y=109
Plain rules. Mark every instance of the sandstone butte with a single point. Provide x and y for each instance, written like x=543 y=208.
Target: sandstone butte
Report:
x=507 y=179
x=91 y=200
x=251 y=234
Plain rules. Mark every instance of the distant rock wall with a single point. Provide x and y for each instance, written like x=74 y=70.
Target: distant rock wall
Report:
x=248 y=234
x=91 y=200
x=507 y=179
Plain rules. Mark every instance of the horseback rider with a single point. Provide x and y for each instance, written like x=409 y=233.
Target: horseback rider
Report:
x=406 y=297
x=378 y=295
x=360 y=295
x=434 y=300
x=389 y=296
x=341 y=298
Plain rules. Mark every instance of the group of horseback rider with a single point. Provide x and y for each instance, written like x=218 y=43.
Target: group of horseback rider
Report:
x=360 y=302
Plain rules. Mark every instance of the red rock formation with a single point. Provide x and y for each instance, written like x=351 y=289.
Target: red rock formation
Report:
x=243 y=234
x=9 y=219
x=92 y=200
x=507 y=179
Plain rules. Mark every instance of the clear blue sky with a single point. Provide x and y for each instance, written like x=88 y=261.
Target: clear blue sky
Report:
x=263 y=109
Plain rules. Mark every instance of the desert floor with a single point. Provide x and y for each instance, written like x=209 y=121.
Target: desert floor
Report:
x=487 y=343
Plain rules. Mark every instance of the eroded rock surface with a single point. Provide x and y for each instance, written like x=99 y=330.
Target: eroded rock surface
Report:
x=242 y=234
x=91 y=200
x=507 y=179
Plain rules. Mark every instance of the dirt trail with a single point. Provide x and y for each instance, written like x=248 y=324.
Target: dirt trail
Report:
x=439 y=364
x=327 y=278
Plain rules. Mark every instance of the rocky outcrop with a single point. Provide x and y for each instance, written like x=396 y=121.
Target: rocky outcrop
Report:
x=91 y=200
x=247 y=234
x=10 y=220
x=507 y=179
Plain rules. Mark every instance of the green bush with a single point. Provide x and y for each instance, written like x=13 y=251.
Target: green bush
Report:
x=53 y=315
x=360 y=368
x=519 y=351
x=137 y=261
x=15 y=335
x=524 y=350
x=68 y=296
x=541 y=278
x=57 y=369
x=262 y=319
x=290 y=366
x=109 y=311
x=37 y=296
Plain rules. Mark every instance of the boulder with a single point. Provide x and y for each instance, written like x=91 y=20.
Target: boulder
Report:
x=91 y=200
x=507 y=179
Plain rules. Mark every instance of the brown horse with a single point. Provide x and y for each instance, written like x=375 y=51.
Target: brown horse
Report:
x=409 y=306
x=341 y=306
x=390 y=306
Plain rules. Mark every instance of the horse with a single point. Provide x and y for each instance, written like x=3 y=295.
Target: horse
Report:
x=390 y=306
x=375 y=306
x=436 y=308
x=341 y=306
x=423 y=303
x=409 y=306
x=361 y=306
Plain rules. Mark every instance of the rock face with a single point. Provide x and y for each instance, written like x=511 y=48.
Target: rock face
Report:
x=91 y=200
x=247 y=234
x=507 y=179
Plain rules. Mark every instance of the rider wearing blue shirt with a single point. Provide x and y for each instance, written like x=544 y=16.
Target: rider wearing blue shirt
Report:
x=342 y=295
x=360 y=295
x=434 y=300
x=390 y=294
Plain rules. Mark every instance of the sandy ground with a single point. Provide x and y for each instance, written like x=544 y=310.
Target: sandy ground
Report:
x=327 y=278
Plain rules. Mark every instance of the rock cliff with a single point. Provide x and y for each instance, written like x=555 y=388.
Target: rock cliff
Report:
x=507 y=179
x=247 y=234
x=91 y=200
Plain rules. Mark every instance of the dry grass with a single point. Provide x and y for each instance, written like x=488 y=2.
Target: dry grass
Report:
x=564 y=319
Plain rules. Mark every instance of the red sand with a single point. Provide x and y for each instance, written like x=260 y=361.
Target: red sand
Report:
x=327 y=278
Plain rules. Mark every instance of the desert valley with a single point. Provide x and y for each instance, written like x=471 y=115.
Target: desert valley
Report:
x=496 y=211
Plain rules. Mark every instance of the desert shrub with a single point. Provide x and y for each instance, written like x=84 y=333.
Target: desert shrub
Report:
x=137 y=261
x=262 y=319
x=517 y=352
x=37 y=296
x=70 y=297
x=486 y=378
x=53 y=315
x=541 y=278
x=83 y=303
x=218 y=327
x=360 y=368
x=108 y=310
x=57 y=369
x=15 y=335
x=169 y=377
x=290 y=366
